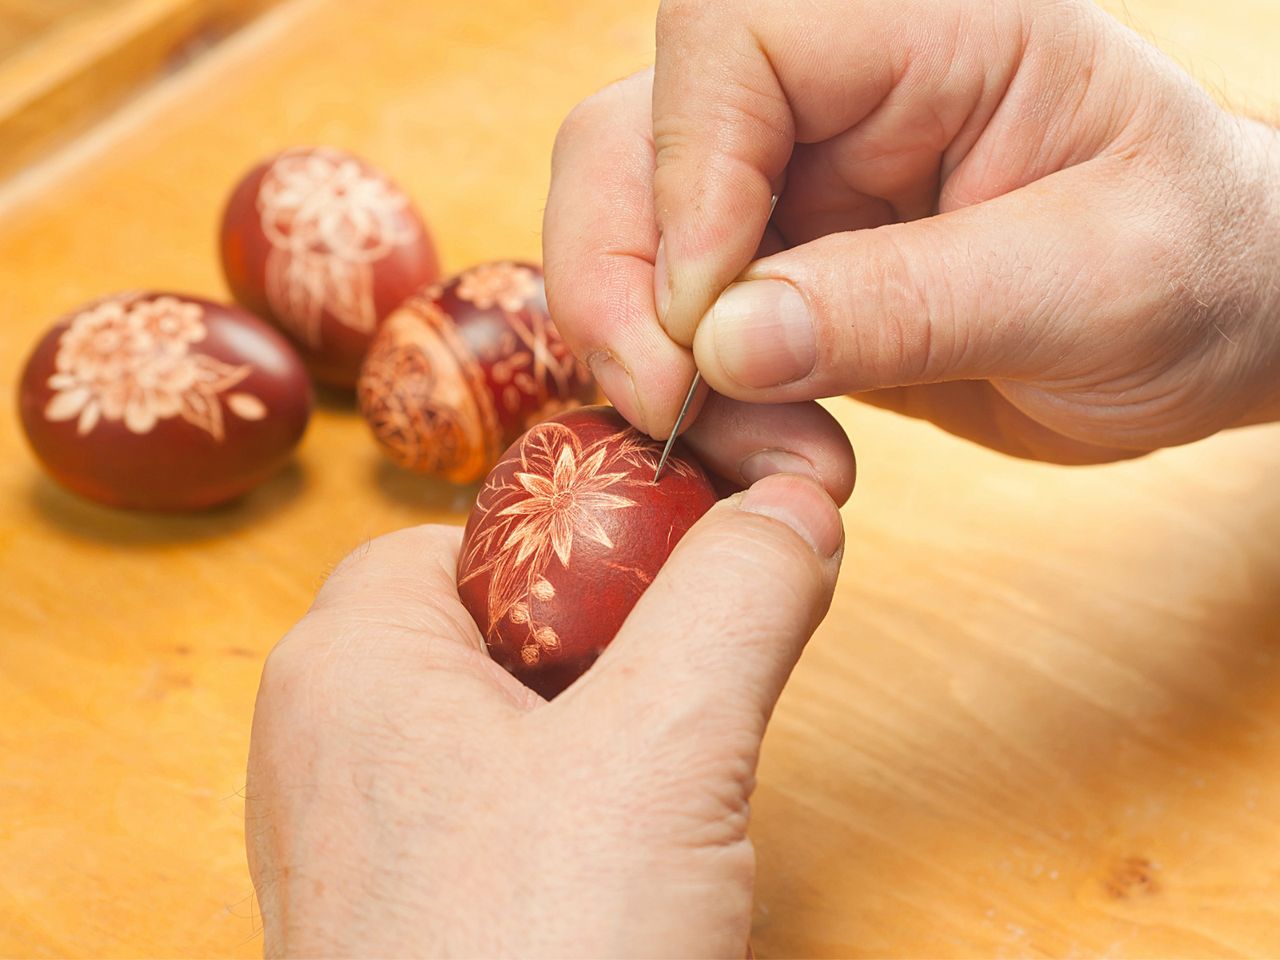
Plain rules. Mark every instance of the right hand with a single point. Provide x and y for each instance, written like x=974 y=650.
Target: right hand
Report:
x=1014 y=219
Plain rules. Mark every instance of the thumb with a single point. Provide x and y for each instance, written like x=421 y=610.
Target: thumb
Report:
x=719 y=630
x=1003 y=289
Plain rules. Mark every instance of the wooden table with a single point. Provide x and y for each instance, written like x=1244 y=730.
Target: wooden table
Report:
x=1043 y=717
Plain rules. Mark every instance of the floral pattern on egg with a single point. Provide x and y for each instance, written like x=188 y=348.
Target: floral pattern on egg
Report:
x=131 y=361
x=163 y=401
x=326 y=246
x=464 y=367
x=566 y=534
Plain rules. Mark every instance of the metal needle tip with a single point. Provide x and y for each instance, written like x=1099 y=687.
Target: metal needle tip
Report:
x=675 y=431
x=693 y=388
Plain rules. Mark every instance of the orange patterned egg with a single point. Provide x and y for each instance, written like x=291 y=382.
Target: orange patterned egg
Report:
x=465 y=367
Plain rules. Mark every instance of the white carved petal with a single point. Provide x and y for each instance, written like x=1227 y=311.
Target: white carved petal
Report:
x=599 y=502
x=139 y=417
x=246 y=406
x=592 y=464
x=562 y=535
x=601 y=481
x=565 y=469
x=528 y=507
x=590 y=528
x=66 y=404
x=536 y=484
x=88 y=418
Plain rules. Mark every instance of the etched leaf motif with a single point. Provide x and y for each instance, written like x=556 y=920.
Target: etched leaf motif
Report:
x=542 y=445
x=201 y=410
x=246 y=406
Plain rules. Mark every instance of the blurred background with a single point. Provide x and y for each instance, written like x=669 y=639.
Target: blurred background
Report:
x=1042 y=719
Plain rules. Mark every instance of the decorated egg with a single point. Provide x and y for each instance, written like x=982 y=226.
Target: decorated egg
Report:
x=161 y=401
x=566 y=534
x=325 y=246
x=465 y=367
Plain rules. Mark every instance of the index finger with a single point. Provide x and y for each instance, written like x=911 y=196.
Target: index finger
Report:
x=599 y=245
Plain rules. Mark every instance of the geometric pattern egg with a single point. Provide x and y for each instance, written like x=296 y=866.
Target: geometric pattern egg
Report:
x=324 y=245
x=465 y=367
x=567 y=532
x=162 y=401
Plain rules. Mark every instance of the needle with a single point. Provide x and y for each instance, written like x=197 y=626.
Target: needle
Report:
x=675 y=431
x=693 y=389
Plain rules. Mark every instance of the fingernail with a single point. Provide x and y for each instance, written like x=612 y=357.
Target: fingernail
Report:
x=763 y=333
x=765 y=463
x=612 y=377
x=661 y=286
x=802 y=505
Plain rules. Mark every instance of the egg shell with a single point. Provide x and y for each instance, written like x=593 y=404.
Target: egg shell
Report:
x=324 y=245
x=567 y=532
x=163 y=401
x=462 y=369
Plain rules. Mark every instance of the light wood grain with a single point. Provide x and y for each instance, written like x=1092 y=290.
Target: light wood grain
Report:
x=67 y=63
x=1043 y=717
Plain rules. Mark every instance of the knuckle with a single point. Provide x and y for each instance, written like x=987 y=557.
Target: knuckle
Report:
x=887 y=318
x=576 y=126
x=373 y=559
x=287 y=687
x=584 y=123
x=678 y=19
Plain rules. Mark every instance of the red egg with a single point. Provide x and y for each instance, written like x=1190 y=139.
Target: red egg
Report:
x=461 y=370
x=568 y=531
x=324 y=245
x=161 y=401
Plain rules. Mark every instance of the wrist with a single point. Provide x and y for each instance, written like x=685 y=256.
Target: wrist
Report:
x=1261 y=253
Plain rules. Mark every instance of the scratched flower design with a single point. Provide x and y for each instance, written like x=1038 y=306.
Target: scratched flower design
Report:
x=130 y=360
x=505 y=284
x=567 y=502
x=542 y=510
x=328 y=219
x=532 y=367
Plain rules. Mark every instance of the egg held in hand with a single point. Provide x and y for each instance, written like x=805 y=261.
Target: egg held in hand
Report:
x=463 y=368
x=324 y=245
x=163 y=401
x=567 y=532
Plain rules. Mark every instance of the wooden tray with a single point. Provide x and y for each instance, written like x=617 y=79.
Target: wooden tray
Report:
x=1043 y=717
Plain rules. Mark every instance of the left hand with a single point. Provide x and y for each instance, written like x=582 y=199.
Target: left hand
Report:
x=406 y=796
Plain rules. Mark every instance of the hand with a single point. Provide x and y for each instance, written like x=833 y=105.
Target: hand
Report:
x=1015 y=219
x=408 y=797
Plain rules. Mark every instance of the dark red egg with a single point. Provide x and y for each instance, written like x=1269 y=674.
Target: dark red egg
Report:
x=568 y=531
x=465 y=367
x=162 y=401
x=324 y=245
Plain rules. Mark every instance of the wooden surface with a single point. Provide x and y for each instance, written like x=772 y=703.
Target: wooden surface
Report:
x=1043 y=717
x=67 y=63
